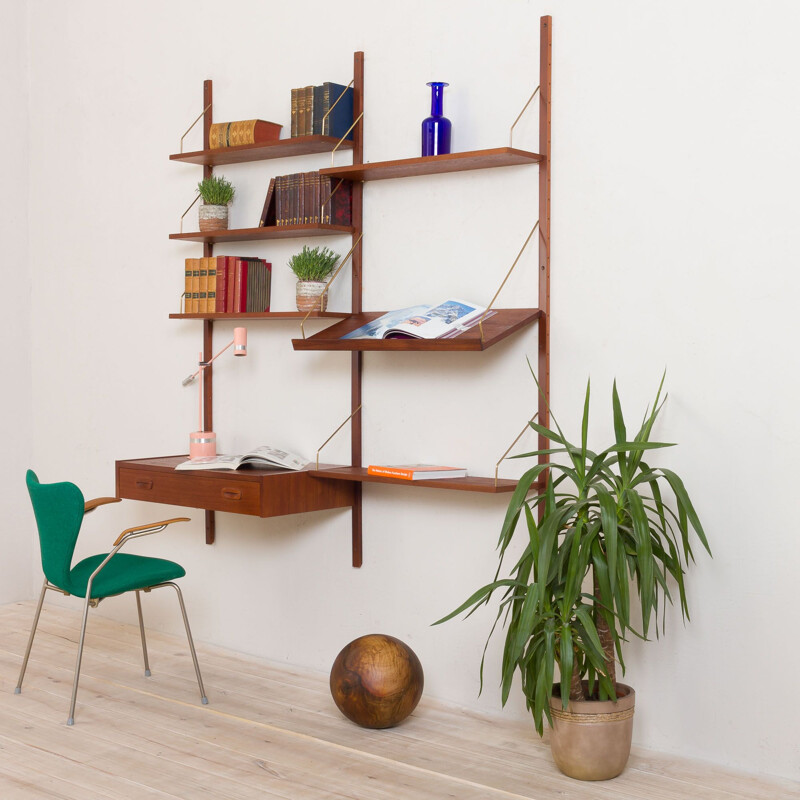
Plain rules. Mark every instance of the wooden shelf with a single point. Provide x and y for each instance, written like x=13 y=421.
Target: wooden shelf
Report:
x=267 y=315
x=284 y=148
x=267 y=232
x=495 y=328
x=434 y=165
x=468 y=484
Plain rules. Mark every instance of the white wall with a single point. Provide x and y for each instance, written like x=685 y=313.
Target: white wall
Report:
x=674 y=154
x=15 y=355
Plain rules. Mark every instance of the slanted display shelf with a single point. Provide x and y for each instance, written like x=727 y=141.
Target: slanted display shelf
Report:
x=469 y=484
x=496 y=327
x=266 y=232
x=284 y=148
x=434 y=165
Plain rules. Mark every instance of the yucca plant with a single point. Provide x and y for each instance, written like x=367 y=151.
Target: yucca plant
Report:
x=600 y=525
x=313 y=264
x=216 y=191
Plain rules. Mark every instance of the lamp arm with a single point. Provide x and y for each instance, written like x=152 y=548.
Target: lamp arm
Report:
x=204 y=364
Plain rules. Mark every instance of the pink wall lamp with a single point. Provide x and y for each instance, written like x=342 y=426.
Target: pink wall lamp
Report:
x=203 y=444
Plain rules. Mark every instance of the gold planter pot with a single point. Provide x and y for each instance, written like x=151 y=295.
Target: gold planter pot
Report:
x=591 y=740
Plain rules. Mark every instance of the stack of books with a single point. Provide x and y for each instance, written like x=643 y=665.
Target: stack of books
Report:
x=226 y=284
x=307 y=198
x=325 y=109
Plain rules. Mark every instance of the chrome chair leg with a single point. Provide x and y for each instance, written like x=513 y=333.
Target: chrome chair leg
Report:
x=141 y=631
x=18 y=687
x=71 y=717
x=177 y=588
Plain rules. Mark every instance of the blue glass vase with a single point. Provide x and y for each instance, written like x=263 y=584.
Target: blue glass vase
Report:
x=436 y=127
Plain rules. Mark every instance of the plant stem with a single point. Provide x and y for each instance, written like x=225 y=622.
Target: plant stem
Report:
x=606 y=639
x=576 y=686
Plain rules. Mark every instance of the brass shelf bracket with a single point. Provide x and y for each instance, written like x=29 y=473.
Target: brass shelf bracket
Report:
x=197 y=197
x=503 y=457
x=337 y=431
x=338 y=144
x=508 y=275
x=202 y=114
x=519 y=117
x=327 y=285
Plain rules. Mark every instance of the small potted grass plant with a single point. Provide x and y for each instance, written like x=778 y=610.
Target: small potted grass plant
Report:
x=312 y=266
x=217 y=193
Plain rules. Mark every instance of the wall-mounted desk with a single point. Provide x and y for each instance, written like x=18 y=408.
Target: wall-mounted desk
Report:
x=257 y=492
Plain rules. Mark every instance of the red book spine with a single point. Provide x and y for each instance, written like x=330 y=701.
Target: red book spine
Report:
x=240 y=286
x=222 y=284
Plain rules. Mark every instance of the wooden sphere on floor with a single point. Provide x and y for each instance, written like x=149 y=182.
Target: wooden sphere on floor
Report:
x=376 y=681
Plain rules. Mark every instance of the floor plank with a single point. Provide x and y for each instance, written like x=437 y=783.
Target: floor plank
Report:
x=270 y=731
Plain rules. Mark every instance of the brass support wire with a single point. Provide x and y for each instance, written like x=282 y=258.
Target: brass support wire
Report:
x=355 y=122
x=519 y=117
x=202 y=114
x=508 y=274
x=337 y=431
x=343 y=93
x=330 y=281
x=197 y=197
x=502 y=457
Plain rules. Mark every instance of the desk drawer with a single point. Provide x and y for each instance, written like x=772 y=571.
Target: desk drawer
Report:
x=218 y=493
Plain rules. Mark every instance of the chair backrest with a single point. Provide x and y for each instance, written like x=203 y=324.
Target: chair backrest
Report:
x=58 y=508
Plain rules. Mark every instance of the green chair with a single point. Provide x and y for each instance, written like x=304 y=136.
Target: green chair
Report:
x=59 y=509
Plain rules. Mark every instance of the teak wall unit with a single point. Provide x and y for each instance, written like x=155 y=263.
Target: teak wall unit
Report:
x=269 y=493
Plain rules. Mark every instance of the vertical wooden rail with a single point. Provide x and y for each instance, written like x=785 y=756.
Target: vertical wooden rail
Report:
x=356 y=362
x=208 y=325
x=545 y=61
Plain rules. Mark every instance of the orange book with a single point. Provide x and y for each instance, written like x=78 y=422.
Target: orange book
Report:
x=416 y=472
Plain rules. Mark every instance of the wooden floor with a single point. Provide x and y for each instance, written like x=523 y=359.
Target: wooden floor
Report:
x=269 y=732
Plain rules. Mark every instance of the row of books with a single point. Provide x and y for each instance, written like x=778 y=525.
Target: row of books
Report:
x=229 y=284
x=325 y=109
x=307 y=198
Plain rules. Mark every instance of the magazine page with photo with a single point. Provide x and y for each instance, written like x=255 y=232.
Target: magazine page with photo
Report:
x=449 y=318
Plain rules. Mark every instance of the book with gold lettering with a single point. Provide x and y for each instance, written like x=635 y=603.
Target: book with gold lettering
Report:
x=249 y=131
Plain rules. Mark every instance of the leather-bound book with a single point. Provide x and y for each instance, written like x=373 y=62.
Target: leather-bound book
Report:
x=249 y=131
x=339 y=114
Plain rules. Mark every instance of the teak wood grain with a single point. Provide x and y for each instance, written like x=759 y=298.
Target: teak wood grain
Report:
x=434 y=165
x=469 y=484
x=255 y=492
x=495 y=328
x=241 y=154
x=265 y=232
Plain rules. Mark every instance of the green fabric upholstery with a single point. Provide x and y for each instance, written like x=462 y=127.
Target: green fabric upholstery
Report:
x=124 y=573
x=58 y=508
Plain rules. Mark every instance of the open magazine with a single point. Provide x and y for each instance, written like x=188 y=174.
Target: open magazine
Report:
x=264 y=457
x=442 y=321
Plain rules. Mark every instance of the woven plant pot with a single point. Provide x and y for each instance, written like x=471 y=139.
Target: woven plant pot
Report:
x=213 y=218
x=308 y=296
x=591 y=740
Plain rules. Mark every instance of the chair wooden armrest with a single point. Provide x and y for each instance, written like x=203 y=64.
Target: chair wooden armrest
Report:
x=152 y=527
x=91 y=505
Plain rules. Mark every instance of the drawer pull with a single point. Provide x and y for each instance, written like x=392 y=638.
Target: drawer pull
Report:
x=232 y=494
x=144 y=484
